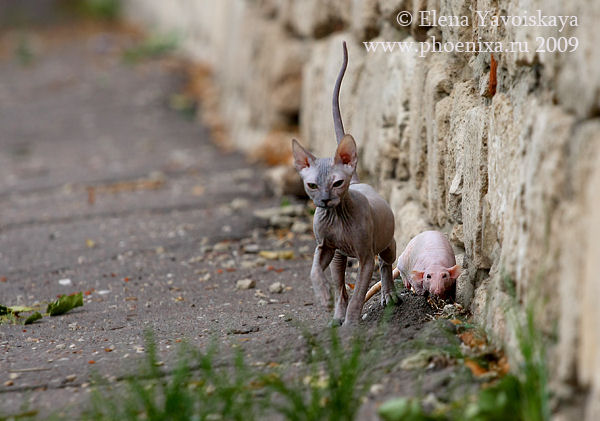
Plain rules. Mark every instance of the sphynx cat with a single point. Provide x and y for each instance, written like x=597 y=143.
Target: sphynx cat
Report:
x=351 y=220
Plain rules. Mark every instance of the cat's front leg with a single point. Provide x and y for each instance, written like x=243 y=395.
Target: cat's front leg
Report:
x=338 y=274
x=321 y=260
x=360 y=290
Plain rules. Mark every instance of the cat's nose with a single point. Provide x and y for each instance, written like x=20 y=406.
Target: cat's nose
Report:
x=325 y=201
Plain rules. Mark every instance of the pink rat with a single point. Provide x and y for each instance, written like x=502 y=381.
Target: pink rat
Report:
x=427 y=264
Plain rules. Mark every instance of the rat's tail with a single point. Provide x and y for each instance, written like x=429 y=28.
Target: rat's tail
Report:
x=337 y=117
x=375 y=288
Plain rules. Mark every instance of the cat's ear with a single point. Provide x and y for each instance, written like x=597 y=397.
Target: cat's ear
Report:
x=302 y=157
x=346 y=152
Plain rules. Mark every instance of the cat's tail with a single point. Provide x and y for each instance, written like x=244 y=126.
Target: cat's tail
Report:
x=337 y=116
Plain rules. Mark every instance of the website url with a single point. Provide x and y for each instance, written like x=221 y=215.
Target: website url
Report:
x=543 y=45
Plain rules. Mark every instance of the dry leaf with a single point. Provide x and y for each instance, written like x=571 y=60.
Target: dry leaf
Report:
x=475 y=368
x=472 y=340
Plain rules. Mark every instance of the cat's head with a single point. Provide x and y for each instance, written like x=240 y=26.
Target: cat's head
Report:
x=326 y=180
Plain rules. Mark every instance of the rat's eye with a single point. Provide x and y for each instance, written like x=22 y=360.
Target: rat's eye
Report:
x=312 y=186
x=428 y=276
x=338 y=183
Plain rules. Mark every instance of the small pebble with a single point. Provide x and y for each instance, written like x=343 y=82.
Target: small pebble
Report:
x=245 y=284
x=251 y=248
x=222 y=246
x=276 y=288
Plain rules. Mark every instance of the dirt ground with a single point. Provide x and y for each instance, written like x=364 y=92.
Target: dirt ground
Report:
x=107 y=189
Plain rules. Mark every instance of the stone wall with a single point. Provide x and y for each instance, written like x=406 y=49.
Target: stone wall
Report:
x=513 y=177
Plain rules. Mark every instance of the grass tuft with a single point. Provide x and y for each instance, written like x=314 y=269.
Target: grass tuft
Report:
x=333 y=390
x=203 y=387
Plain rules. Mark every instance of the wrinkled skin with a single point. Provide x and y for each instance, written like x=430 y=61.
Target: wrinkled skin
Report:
x=428 y=265
x=351 y=220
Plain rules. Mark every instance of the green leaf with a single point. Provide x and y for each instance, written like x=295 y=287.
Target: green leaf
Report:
x=34 y=317
x=20 y=309
x=64 y=304
x=4 y=310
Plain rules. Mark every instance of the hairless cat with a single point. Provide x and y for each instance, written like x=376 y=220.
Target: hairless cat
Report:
x=351 y=220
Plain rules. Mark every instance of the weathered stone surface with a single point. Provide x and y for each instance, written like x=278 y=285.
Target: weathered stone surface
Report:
x=315 y=18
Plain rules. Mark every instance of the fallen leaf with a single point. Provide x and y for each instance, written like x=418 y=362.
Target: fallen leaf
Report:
x=351 y=286
x=472 y=340
x=90 y=243
x=277 y=255
x=501 y=366
x=64 y=304
x=91 y=362
x=34 y=317
x=19 y=309
x=475 y=368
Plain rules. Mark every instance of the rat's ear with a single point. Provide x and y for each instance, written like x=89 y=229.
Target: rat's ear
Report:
x=302 y=157
x=417 y=274
x=454 y=271
x=346 y=152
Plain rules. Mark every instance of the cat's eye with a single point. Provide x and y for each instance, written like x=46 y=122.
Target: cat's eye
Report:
x=338 y=183
x=312 y=186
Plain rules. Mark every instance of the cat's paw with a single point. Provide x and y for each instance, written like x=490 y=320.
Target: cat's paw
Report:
x=390 y=299
x=336 y=322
